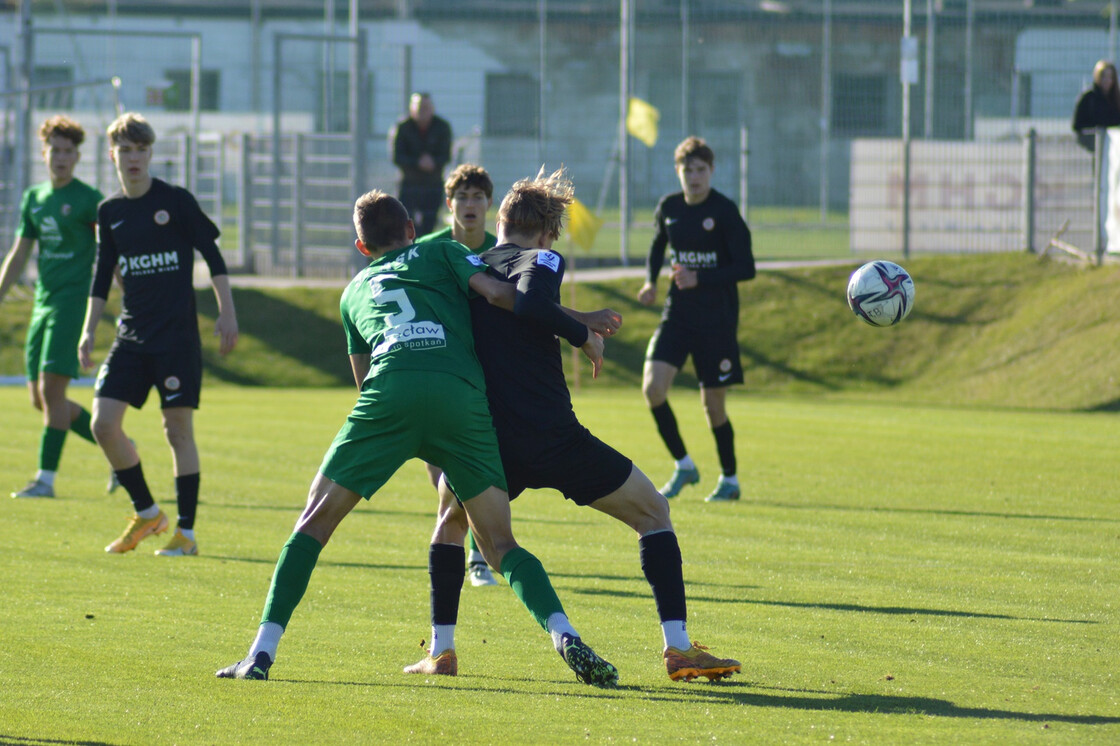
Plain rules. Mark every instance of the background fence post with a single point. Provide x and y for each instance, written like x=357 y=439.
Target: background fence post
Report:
x=297 y=207
x=1029 y=155
x=245 y=204
x=1099 y=141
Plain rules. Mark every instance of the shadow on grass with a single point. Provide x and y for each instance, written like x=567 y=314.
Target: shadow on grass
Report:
x=936 y=511
x=320 y=563
x=33 y=741
x=291 y=330
x=745 y=693
x=892 y=610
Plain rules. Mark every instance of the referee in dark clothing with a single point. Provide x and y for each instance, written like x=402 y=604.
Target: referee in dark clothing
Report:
x=710 y=249
x=421 y=149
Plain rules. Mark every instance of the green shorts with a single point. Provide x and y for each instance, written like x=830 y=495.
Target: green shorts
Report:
x=406 y=414
x=52 y=340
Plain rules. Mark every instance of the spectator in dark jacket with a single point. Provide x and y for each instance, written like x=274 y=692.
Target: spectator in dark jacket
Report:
x=1099 y=106
x=421 y=149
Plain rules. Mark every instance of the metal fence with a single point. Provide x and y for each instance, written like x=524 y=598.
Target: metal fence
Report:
x=804 y=84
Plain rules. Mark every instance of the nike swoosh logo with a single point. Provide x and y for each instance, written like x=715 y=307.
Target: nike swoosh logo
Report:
x=725 y=377
x=34 y=210
x=48 y=362
x=173 y=396
x=116 y=225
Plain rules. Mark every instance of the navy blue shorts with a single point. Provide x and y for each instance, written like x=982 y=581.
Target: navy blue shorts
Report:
x=128 y=375
x=715 y=352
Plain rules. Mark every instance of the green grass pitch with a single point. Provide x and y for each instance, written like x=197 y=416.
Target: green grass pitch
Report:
x=894 y=574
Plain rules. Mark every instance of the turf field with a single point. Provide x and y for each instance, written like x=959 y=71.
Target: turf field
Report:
x=894 y=574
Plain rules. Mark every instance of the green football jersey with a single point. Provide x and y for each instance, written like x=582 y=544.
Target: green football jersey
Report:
x=408 y=310
x=445 y=235
x=62 y=221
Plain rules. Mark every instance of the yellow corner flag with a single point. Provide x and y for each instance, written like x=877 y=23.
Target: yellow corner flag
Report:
x=582 y=225
x=641 y=121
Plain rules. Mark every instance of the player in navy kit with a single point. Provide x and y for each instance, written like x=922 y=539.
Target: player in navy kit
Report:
x=541 y=442
x=711 y=253
x=149 y=231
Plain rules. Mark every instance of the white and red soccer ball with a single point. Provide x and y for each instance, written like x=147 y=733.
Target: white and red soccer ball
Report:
x=881 y=293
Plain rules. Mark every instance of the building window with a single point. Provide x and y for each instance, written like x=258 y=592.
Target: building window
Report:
x=177 y=96
x=56 y=98
x=859 y=105
x=511 y=104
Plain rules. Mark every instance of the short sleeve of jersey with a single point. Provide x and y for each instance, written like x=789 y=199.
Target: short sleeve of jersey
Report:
x=26 y=228
x=355 y=343
x=544 y=274
x=462 y=261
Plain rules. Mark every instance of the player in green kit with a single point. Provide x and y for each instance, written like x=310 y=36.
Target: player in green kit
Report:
x=422 y=395
x=470 y=193
x=59 y=214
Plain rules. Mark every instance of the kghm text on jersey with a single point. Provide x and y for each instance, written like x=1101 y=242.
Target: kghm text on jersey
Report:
x=696 y=258
x=147 y=264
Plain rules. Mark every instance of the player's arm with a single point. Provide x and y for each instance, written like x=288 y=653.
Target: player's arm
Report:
x=496 y=292
x=359 y=364
x=14 y=263
x=226 y=325
x=537 y=286
x=647 y=294
x=605 y=321
x=405 y=155
x=737 y=238
x=104 y=270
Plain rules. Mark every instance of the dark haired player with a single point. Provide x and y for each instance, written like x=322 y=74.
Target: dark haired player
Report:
x=470 y=193
x=422 y=395
x=60 y=215
x=149 y=231
x=710 y=253
x=542 y=443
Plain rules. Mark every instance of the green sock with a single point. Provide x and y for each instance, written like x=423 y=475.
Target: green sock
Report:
x=80 y=425
x=289 y=582
x=50 y=448
x=526 y=576
x=471 y=546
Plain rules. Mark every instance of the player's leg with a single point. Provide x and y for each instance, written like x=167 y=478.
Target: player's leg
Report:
x=640 y=506
x=178 y=429
x=477 y=569
x=657 y=377
x=489 y=517
x=718 y=367
x=108 y=419
x=42 y=484
x=445 y=573
x=327 y=504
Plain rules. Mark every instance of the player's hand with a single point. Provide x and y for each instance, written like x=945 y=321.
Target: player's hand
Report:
x=226 y=328
x=85 y=351
x=684 y=277
x=593 y=348
x=426 y=163
x=647 y=296
x=604 y=321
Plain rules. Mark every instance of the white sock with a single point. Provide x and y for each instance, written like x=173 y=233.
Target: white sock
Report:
x=443 y=638
x=558 y=626
x=675 y=634
x=187 y=532
x=686 y=462
x=476 y=558
x=733 y=479
x=46 y=477
x=268 y=639
x=151 y=512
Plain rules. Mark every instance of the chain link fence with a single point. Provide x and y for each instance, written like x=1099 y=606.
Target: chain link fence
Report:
x=802 y=100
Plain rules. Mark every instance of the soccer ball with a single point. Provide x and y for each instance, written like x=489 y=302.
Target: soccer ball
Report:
x=881 y=293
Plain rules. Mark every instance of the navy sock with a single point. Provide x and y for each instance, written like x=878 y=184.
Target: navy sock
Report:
x=670 y=433
x=725 y=446
x=132 y=479
x=186 y=492
x=445 y=568
x=661 y=563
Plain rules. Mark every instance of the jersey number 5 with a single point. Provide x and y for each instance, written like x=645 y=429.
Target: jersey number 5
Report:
x=398 y=296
